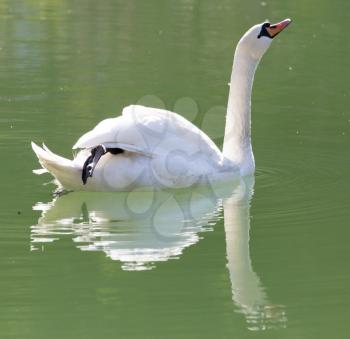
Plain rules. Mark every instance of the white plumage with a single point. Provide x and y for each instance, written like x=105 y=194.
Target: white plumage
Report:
x=162 y=149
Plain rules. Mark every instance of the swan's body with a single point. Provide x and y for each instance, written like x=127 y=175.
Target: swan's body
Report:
x=161 y=149
x=149 y=147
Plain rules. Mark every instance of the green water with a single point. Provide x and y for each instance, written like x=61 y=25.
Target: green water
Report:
x=269 y=262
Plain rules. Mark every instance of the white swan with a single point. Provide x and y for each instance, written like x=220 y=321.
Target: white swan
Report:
x=150 y=147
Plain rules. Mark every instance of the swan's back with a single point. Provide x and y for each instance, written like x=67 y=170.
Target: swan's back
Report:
x=153 y=131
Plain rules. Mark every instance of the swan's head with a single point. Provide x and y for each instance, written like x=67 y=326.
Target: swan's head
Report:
x=257 y=39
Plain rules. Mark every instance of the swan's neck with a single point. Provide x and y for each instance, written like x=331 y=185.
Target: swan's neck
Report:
x=237 y=142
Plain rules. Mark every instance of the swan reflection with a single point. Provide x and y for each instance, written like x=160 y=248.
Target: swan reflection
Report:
x=136 y=228
x=140 y=229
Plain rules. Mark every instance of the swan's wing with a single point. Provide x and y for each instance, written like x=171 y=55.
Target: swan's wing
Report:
x=150 y=130
x=115 y=132
x=166 y=132
x=158 y=123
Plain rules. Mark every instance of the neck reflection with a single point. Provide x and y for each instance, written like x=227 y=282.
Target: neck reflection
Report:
x=247 y=291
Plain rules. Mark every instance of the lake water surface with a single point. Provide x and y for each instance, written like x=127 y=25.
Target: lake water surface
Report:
x=260 y=258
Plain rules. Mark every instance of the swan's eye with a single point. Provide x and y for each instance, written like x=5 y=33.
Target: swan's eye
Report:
x=264 y=31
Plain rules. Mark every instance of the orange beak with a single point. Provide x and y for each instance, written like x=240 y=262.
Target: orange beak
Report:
x=274 y=29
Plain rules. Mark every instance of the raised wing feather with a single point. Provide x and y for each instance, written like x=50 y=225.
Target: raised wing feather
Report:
x=150 y=131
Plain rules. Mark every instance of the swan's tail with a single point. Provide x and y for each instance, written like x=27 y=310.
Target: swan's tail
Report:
x=64 y=170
